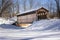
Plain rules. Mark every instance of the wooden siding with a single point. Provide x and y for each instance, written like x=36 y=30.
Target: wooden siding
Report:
x=27 y=18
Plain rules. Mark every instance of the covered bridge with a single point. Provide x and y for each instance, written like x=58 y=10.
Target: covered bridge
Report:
x=34 y=15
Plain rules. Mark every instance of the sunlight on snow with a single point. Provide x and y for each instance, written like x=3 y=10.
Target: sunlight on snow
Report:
x=25 y=25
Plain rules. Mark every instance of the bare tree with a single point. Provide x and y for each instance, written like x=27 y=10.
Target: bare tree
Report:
x=31 y=4
x=6 y=4
x=58 y=7
x=50 y=5
x=17 y=6
x=0 y=4
x=24 y=5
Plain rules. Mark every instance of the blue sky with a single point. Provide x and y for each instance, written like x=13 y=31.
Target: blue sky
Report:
x=36 y=4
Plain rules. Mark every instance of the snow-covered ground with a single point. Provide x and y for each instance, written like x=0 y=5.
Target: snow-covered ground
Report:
x=8 y=21
x=39 y=30
x=43 y=25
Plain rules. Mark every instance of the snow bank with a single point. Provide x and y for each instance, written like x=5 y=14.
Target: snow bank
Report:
x=2 y=20
x=42 y=25
x=11 y=20
x=8 y=21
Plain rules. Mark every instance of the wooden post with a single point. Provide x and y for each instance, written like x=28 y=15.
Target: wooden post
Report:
x=36 y=15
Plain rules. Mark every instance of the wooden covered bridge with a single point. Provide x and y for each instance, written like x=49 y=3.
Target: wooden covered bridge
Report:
x=34 y=15
x=28 y=17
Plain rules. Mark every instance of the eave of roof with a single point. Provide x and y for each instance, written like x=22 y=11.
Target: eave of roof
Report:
x=28 y=13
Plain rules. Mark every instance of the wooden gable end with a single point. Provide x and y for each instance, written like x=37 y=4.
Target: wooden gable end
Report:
x=42 y=10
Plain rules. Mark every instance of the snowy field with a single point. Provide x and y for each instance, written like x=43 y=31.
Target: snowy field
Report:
x=39 y=30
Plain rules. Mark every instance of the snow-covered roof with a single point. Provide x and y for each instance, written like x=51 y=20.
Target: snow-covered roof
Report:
x=32 y=10
x=28 y=11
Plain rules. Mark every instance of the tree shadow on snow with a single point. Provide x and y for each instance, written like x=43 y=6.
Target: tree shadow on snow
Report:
x=30 y=38
x=8 y=26
x=52 y=27
x=43 y=36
